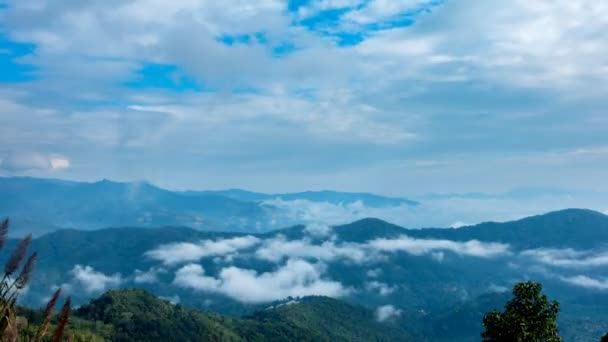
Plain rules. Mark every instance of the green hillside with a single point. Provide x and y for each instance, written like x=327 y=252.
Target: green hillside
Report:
x=136 y=315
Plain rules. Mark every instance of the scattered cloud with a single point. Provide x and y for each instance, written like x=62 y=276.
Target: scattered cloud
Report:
x=587 y=282
x=27 y=161
x=387 y=312
x=90 y=281
x=442 y=210
x=182 y=252
x=296 y=278
x=318 y=230
x=280 y=248
x=325 y=213
x=568 y=257
x=427 y=246
x=148 y=277
x=374 y=82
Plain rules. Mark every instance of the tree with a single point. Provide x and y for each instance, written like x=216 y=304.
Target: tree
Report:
x=529 y=316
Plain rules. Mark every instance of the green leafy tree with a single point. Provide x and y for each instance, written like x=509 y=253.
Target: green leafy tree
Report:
x=529 y=316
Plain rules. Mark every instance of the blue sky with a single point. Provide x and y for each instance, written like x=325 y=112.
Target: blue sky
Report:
x=394 y=97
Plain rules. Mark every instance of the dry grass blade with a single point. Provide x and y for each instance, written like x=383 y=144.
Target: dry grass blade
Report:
x=11 y=333
x=3 y=232
x=17 y=256
x=26 y=271
x=63 y=320
x=11 y=330
x=48 y=312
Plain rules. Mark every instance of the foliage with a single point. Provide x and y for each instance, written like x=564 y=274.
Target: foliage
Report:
x=529 y=316
x=136 y=315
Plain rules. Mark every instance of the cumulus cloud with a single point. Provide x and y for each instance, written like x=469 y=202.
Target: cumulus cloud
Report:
x=427 y=246
x=280 y=248
x=587 y=282
x=508 y=53
x=148 y=277
x=318 y=230
x=27 y=161
x=387 y=312
x=568 y=257
x=91 y=281
x=181 y=252
x=294 y=279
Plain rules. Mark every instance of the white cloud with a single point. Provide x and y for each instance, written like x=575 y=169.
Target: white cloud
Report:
x=27 y=161
x=181 y=252
x=427 y=246
x=59 y=163
x=587 y=282
x=442 y=211
x=324 y=213
x=568 y=257
x=387 y=312
x=296 y=278
x=280 y=248
x=318 y=230
x=148 y=277
x=530 y=63
x=91 y=281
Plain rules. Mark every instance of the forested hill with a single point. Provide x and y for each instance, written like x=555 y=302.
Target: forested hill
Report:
x=136 y=315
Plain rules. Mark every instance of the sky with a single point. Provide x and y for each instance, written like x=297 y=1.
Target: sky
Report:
x=396 y=97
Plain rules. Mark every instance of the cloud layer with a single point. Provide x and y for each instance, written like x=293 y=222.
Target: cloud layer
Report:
x=85 y=278
x=296 y=278
x=185 y=251
x=568 y=258
x=392 y=97
x=423 y=247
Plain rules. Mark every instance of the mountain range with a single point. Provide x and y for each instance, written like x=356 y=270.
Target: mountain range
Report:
x=45 y=205
x=436 y=282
